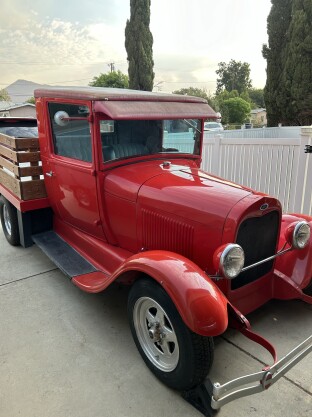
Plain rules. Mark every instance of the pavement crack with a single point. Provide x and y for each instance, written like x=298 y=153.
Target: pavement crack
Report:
x=30 y=276
x=263 y=363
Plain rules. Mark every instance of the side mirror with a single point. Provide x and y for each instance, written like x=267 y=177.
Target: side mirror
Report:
x=61 y=118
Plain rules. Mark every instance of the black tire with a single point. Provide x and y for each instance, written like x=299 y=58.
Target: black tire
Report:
x=180 y=358
x=308 y=289
x=9 y=222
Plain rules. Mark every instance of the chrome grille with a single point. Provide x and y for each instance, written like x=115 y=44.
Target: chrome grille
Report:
x=258 y=237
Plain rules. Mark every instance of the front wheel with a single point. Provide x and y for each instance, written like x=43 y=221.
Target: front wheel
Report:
x=9 y=222
x=178 y=357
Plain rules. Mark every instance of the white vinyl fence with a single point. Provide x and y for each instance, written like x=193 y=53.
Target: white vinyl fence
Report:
x=271 y=160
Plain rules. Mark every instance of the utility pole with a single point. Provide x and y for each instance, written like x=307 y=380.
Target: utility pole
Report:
x=112 y=66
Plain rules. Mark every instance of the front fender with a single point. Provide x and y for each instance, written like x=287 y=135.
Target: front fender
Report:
x=202 y=306
x=296 y=264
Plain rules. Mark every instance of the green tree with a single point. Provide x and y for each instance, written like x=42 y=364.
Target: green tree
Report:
x=277 y=27
x=4 y=95
x=296 y=100
x=114 y=79
x=256 y=96
x=220 y=98
x=139 y=46
x=233 y=76
x=196 y=92
x=235 y=110
x=31 y=100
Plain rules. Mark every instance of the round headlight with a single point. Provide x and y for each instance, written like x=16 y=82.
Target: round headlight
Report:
x=231 y=261
x=301 y=235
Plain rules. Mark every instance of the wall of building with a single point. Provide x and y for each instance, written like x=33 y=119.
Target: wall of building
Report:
x=24 y=111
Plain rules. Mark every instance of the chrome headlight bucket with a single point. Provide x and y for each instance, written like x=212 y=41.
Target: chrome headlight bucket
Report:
x=301 y=235
x=231 y=260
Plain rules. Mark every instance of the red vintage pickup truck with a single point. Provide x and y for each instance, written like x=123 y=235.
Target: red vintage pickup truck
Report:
x=113 y=191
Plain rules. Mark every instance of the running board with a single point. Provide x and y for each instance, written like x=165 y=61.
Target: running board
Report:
x=83 y=274
x=65 y=257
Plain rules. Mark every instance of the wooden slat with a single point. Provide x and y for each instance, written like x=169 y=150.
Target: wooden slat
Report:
x=29 y=171
x=19 y=156
x=28 y=156
x=20 y=171
x=27 y=143
x=11 y=183
x=8 y=153
x=7 y=140
x=9 y=165
x=33 y=189
x=19 y=143
x=25 y=190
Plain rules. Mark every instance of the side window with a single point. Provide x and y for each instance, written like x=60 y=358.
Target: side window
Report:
x=71 y=131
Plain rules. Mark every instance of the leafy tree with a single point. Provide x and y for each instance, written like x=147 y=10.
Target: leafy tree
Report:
x=4 y=95
x=297 y=74
x=196 y=92
x=235 y=110
x=256 y=96
x=277 y=27
x=139 y=46
x=114 y=79
x=233 y=76
x=31 y=100
x=220 y=98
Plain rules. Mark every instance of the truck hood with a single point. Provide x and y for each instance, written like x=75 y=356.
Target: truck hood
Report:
x=180 y=189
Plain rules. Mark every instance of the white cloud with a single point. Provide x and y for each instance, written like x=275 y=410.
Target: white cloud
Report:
x=77 y=43
x=42 y=50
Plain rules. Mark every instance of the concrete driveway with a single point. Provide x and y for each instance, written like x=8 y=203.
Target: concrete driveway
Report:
x=64 y=353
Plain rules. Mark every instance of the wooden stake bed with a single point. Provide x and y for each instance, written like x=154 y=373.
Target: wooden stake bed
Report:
x=13 y=175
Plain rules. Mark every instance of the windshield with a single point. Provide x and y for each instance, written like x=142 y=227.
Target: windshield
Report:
x=127 y=138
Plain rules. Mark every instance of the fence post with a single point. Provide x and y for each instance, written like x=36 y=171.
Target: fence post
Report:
x=216 y=155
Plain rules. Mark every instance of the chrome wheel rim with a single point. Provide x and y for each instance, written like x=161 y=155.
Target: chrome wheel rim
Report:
x=156 y=334
x=7 y=221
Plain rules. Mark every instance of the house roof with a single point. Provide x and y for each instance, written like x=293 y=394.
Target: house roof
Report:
x=255 y=111
x=7 y=105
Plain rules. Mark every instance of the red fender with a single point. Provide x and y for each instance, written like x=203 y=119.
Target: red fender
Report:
x=296 y=264
x=202 y=306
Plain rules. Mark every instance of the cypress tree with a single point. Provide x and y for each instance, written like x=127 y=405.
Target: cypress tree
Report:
x=277 y=27
x=297 y=74
x=139 y=46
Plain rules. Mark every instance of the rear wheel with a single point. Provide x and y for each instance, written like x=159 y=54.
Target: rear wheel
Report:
x=178 y=357
x=9 y=222
x=308 y=289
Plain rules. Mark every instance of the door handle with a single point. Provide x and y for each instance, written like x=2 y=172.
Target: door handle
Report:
x=49 y=174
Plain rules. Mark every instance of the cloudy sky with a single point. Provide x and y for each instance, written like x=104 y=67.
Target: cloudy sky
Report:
x=69 y=42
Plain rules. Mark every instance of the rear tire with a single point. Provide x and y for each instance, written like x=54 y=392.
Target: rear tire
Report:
x=9 y=222
x=178 y=357
x=308 y=289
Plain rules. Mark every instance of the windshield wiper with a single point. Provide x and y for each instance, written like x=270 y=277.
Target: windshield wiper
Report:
x=190 y=124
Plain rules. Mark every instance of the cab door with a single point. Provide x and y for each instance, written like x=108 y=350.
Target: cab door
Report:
x=70 y=170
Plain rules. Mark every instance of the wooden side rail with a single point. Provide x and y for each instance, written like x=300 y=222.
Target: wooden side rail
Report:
x=19 y=158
